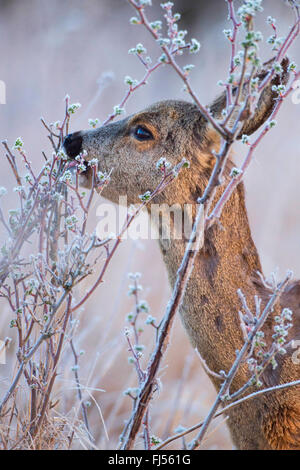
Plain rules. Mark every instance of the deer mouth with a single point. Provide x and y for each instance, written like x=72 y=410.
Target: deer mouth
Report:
x=72 y=146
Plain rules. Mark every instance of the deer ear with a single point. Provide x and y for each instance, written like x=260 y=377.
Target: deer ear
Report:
x=266 y=102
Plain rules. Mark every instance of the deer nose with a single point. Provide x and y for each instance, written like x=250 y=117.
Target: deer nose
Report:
x=73 y=144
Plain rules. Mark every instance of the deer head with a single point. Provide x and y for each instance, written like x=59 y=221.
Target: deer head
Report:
x=170 y=129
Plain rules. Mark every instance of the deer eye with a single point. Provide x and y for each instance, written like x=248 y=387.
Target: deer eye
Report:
x=141 y=133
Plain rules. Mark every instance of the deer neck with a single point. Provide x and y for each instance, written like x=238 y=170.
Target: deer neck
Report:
x=227 y=262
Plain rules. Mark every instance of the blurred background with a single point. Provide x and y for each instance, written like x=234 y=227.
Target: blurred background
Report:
x=52 y=48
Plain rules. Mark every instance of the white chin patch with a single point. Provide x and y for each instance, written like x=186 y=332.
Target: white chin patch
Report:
x=85 y=180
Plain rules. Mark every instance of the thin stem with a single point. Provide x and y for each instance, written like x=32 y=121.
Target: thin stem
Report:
x=183 y=275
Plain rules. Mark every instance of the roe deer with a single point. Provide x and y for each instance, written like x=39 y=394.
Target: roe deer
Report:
x=227 y=262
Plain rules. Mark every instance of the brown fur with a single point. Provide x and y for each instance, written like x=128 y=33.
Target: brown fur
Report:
x=228 y=261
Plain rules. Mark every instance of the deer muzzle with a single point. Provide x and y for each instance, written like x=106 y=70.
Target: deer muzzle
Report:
x=73 y=144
